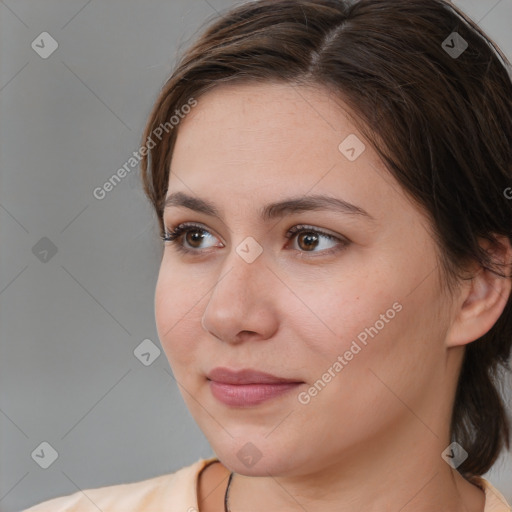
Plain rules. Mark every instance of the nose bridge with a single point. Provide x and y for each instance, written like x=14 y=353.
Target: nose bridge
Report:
x=242 y=272
x=239 y=300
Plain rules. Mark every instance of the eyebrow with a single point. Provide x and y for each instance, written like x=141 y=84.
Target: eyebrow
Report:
x=271 y=210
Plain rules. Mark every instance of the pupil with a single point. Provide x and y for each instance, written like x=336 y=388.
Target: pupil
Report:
x=195 y=236
x=311 y=238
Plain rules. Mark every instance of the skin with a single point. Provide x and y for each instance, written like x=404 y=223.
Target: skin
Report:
x=372 y=438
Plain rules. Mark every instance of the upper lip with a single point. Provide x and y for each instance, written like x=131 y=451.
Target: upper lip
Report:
x=245 y=376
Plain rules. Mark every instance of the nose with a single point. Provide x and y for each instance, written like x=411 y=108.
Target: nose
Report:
x=241 y=305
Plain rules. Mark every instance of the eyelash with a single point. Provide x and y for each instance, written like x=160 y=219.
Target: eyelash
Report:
x=174 y=235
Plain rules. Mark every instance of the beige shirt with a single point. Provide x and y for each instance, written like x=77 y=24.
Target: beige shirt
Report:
x=177 y=492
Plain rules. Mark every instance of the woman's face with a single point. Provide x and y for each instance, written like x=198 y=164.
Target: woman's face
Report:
x=350 y=309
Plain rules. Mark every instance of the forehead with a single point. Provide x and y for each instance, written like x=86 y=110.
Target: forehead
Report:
x=265 y=140
x=275 y=116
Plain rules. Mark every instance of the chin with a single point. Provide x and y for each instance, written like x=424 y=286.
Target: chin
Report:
x=255 y=456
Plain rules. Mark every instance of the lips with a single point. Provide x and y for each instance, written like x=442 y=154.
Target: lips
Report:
x=246 y=376
x=245 y=388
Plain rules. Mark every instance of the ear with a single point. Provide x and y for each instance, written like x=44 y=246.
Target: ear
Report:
x=482 y=299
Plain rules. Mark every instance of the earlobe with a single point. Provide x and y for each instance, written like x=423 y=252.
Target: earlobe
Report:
x=482 y=299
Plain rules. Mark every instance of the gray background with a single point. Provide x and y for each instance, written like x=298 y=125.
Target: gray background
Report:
x=69 y=325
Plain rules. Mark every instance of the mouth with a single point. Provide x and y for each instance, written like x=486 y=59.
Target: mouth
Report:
x=247 y=387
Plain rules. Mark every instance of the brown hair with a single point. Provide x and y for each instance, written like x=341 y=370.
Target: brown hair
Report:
x=441 y=122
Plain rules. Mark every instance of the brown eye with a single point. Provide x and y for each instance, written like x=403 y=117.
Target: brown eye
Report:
x=187 y=238
x=194 y=236
x=307 y=240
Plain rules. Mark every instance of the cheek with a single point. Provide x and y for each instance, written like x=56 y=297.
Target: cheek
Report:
x=177 y=315
x=381 y=336
x=373 y=322
x=346 y=310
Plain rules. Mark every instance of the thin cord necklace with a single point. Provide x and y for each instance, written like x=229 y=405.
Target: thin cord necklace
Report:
x=226 y=495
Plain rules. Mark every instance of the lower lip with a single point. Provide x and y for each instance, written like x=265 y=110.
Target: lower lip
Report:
x=240 y=395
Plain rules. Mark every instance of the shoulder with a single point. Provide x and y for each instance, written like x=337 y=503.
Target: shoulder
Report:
x=494 y=500
x=176 y=489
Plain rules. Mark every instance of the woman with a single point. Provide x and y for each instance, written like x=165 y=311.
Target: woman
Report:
x=332 y=184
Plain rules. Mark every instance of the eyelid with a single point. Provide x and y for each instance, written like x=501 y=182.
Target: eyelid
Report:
x=297 y=228
x=188 y=225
